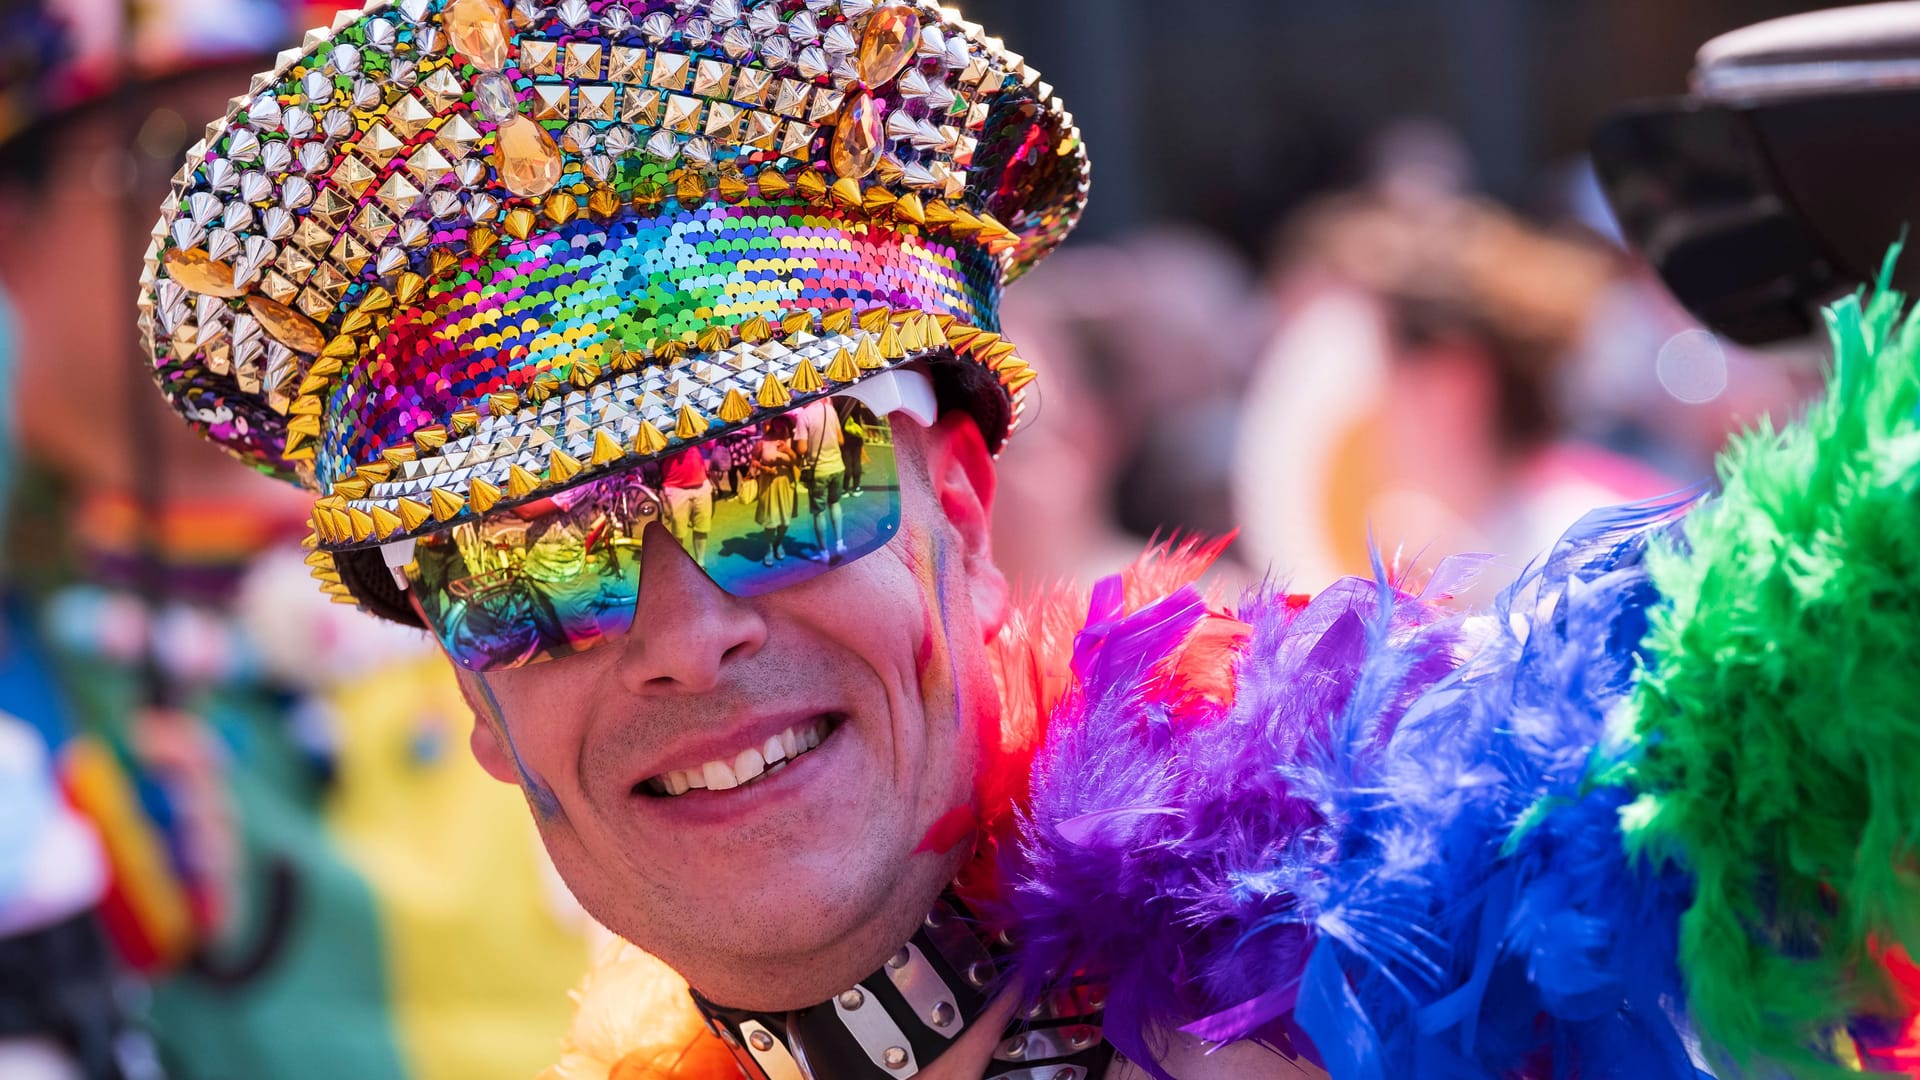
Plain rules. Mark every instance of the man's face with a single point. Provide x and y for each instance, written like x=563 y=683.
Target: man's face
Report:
x=777 y=893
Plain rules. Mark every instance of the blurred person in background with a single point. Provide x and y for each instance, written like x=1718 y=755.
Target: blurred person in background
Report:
x=275 y=780
x=1147 y=343
x=1412 y=396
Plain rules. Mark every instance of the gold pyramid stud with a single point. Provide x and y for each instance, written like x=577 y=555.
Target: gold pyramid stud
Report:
x=773 y=394
x=690 y=424
x=561 y=467
x=413 y=514
x=806 y=379
x=650 y=441
x=736 y=408
x=446 y=505
x=606 y=450
x=385 y=521
x=843 y=369
x=483 y=496
x=520 y=482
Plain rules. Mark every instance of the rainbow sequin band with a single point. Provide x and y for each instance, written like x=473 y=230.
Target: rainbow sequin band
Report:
x=539 y=308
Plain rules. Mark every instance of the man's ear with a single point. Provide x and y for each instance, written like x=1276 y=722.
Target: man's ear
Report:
x=486 y=741
x=963 y=479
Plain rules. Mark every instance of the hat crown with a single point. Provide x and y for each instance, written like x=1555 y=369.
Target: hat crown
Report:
x=435 y=206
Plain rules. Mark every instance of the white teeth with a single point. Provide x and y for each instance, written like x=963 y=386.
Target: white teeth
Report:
x=719 y=776
x=749 y=765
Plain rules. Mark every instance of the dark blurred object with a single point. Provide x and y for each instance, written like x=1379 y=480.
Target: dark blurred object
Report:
x=1779 y=184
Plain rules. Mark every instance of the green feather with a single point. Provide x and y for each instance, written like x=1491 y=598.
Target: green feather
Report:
x=1780 y=710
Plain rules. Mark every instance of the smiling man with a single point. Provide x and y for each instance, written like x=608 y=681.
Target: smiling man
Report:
x=498 y=286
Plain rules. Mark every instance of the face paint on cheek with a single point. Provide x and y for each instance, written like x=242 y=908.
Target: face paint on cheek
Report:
x=539 y=795
x=929 y=558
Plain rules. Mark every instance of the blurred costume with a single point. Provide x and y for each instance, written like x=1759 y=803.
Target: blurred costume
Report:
x=1660 y=799
x=273 y=779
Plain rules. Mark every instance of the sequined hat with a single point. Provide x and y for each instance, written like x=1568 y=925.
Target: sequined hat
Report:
x=450 y=256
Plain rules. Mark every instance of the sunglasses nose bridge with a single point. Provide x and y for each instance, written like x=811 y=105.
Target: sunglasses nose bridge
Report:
x=686 y=628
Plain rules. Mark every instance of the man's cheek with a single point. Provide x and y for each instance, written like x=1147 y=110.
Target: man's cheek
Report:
x=487 y=702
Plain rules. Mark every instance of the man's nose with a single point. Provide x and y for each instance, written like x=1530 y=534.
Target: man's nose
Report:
x=686 y=629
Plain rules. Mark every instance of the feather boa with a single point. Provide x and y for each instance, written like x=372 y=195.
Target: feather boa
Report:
x=1659 y=800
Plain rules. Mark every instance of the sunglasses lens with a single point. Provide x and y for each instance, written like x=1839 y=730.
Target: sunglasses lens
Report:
x=760 y=510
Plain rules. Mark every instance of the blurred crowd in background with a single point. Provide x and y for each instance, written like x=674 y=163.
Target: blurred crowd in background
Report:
x=1347 y=285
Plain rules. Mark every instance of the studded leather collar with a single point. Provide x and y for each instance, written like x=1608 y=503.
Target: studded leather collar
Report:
x=895 y=1022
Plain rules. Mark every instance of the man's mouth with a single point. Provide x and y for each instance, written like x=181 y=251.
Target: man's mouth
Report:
x=747 y=767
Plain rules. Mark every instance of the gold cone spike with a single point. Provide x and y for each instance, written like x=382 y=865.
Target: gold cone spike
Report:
x=603 y=203
x=409 y=288
x=774 y=395
x=690 y=424
x=342 y=523
x=939 y=215
x=649 y=441
x=478 y=30
x=870 y=356
x=446 y=505
x=625 y=359
x=561 y=466
x=503 y=402
x=936 y=336
x=428 y=439
x=670 y=352
x=377 y=301
x=806 y=379
x=843 y=369
x=304 y=425
x=1019 y=382
x=413 y=514
x=812 y=185
x=320 y=560
x=690 y=188
x=341 y=348
x=800 y=322
x=756 y=331
x=306 y=406
x=196 y=271
x=879 y=201
x=715 y=338
x=585 y=373
x=520 y=482
x=846 y=192
x=482 y=495
x=913 y=337
x=399 y=455
x=911 y=208
x=464 y=422
x=376 y=473
x=874 y=320
x=356 y=324
x=314 y=384
x=287 y=326
x=527 y=158
x=481 y=240
x=733 y=186
x=520 y=222
x=838 y=322
x=961 y=337
x=441 y=260
x=606 y=450
x=854 y=151
x=965 y=224
x=736 y=408
x=561 y=207
x=889 y=346
x=891 y=38
x=539 y=391
x=351 y=488
x=773 y=185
